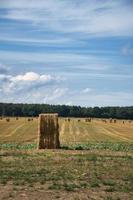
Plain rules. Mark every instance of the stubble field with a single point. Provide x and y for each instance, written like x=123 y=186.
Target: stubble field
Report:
x=74 y=131
x=95 y=161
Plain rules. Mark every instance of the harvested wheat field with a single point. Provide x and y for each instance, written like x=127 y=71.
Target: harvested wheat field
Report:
x=94 y=162
x=71 y=132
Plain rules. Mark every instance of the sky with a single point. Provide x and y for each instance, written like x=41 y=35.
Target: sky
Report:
x=73 y=52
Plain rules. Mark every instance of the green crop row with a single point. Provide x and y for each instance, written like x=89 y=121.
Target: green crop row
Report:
x=101 y=146
x=89 y=146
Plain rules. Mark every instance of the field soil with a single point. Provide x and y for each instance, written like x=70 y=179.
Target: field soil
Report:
x=40 y=193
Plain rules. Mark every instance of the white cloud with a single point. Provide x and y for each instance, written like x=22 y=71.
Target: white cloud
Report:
x=31 y=88
x=29 y=76
x=32 y=76
x=87 y=90
x=26 y=82
x=48 y=89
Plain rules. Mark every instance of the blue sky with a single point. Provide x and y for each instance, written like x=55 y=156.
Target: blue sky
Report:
x=70 y=52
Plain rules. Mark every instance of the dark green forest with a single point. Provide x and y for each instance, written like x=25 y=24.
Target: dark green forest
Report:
x=9 y=109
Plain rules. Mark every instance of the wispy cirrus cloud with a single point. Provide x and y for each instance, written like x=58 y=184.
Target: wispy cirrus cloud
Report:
x=103 y=98
x=94 y=18
x=60 y=41
x=45 y=56
x=62 y=61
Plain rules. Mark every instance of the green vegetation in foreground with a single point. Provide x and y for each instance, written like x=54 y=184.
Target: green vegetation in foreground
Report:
x=14 y=146
x=101 y=146
x=119 y=146
x=67 y=170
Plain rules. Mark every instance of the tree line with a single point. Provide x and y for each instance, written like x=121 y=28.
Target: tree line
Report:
x=23 y=110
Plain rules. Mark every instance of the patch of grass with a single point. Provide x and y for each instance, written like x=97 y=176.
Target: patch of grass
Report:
x=91 y=157
x=71 y=186
x=110 y=189
x=86 y=157
x=108 y=198
x=108 y=182
x=3 y=181
x=55 y=186
x=67 y=170
x=84 y=185
x=94 y=183
x=127 y=188
x=66 y=186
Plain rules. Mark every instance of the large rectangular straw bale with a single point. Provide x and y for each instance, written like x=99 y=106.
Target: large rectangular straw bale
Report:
x=48 y=131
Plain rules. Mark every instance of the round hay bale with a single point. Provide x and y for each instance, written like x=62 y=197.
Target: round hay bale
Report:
x=110 y=120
